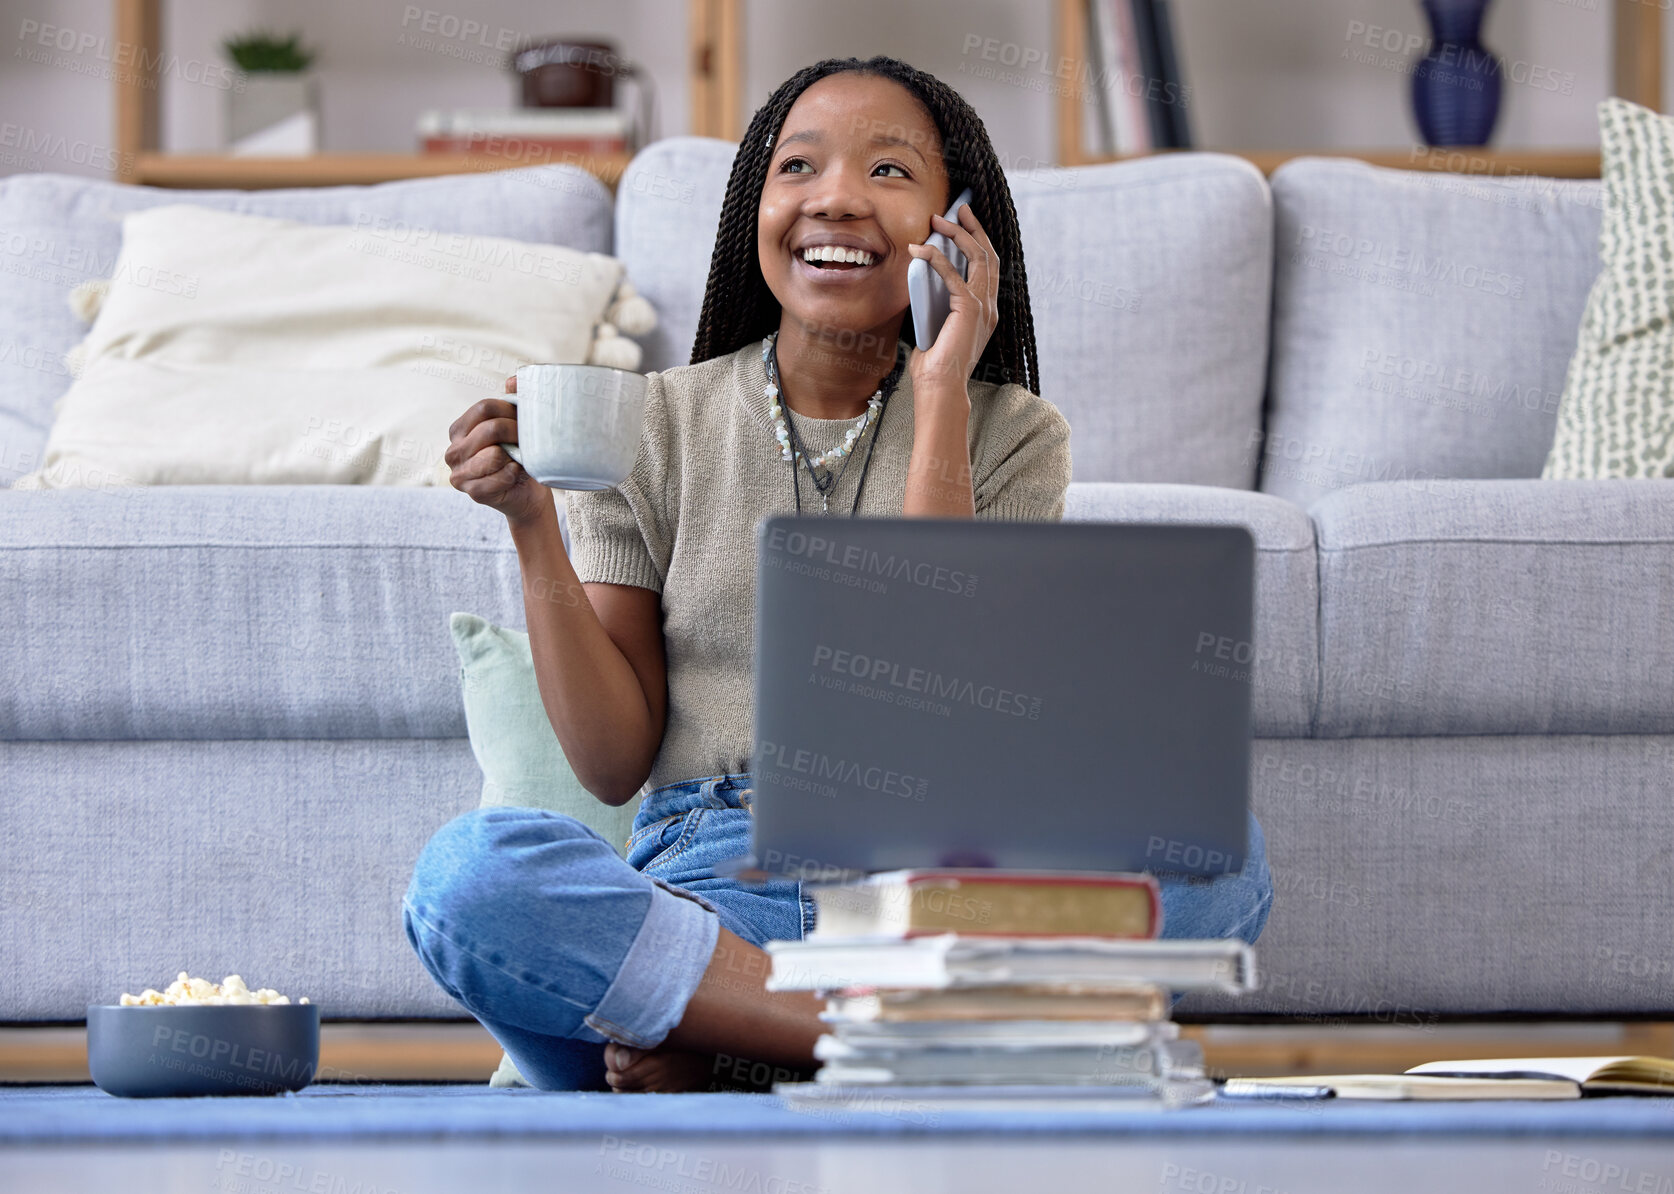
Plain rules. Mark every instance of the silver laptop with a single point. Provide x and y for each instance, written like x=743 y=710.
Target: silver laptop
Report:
x=957 y=692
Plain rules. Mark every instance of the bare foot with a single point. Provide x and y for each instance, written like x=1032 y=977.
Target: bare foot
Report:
x=661 y=1070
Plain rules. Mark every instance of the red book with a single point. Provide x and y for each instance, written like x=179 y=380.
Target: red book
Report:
x=530 y=151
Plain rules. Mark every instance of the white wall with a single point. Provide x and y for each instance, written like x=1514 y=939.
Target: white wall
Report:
x=1278 y=74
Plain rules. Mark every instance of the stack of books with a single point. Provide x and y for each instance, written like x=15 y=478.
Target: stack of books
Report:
x=531 y=134
x=963 y=986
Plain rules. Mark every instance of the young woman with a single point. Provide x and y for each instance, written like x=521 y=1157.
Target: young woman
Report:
x=804 y=393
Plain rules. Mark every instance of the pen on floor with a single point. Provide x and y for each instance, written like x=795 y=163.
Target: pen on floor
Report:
x=1255 y=1088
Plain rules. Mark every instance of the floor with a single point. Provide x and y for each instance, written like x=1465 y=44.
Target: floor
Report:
x=419 y=1139
x=466 y=1137
x=1186 y=1165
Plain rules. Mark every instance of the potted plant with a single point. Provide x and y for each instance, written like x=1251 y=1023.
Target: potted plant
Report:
x=273 y=107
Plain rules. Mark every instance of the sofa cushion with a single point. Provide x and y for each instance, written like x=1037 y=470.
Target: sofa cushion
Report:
x=1157 y=357
x=275 y=334
x=283 y=861
x=243 y=611
x=668 y=207
x=1498 y=876
x=57 y=230
x=1422 y=323
x=1150 y=284
x=1496 y=607
x=1282 y=661
x=522 y=762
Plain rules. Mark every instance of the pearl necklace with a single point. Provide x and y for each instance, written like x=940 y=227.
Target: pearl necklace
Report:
x=781 y=430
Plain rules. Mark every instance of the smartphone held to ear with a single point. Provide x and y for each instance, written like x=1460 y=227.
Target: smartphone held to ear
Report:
x=926 y=291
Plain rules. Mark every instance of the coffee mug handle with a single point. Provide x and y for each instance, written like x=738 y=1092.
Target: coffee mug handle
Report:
x=512 y=449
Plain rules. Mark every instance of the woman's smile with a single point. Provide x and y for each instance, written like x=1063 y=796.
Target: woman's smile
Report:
x=827 y=262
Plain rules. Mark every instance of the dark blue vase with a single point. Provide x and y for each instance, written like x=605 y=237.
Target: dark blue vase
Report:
x=1456 y=86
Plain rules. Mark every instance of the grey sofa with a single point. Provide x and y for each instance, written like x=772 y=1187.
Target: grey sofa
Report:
x=229 y=716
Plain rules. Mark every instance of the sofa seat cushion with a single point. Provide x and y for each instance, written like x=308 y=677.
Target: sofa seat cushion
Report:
x=1496 y=607
x=243 y=611
x=1282 y=661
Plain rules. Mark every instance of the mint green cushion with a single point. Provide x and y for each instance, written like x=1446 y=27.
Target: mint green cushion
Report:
x=522 y=763
x=521 y=760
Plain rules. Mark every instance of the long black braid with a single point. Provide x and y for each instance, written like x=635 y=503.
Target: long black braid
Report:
x=738 y=308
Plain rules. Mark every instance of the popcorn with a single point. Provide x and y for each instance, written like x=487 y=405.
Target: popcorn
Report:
x=188 y=991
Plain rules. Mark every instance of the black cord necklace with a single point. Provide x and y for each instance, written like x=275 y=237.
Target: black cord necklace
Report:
x=799 y=449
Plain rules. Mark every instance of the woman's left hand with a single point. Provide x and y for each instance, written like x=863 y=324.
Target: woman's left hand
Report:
x=974 y=306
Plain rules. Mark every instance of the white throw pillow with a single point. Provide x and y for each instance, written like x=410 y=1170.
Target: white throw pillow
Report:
x=234 y=348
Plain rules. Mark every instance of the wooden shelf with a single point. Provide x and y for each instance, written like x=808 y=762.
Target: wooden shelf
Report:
x=1636 y=75
x=1552 y=163
x=343 y=169
x=716 y=46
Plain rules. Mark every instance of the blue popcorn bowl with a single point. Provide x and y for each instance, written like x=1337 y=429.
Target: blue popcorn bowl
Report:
x=214 y=1049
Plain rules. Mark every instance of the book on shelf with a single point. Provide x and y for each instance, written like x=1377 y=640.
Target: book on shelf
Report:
x=984 y=901
x=1150 y=73
x=956 y=960
x=1114 y=78
x=1591 y=1075
x=522 y=130
x=1038 y=1001
x=1137 y=81
x=1172 y=92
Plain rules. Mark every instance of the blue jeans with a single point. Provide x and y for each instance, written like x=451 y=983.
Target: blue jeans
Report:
x=532 y=922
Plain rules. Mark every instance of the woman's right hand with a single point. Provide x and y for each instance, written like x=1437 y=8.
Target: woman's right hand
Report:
x=483 y=470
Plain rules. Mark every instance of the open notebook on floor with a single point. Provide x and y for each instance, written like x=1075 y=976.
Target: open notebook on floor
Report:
x=1595 y=1075
x=1485 y=1078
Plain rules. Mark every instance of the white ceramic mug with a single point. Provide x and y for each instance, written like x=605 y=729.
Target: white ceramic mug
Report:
x=578 y=426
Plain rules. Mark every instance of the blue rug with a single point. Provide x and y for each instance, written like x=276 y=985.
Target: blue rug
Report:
x=57 y=1114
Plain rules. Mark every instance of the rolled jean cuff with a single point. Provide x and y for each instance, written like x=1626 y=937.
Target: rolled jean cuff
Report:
x=661 y=971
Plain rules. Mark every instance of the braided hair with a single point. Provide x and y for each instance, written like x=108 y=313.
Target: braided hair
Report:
x=739 y=308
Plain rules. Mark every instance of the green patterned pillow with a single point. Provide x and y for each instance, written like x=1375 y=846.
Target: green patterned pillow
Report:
x=1617 y=414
